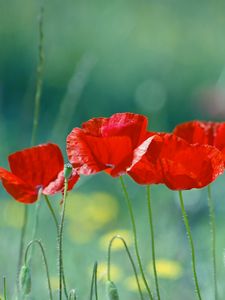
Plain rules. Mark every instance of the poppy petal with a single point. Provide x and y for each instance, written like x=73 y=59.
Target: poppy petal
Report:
x=196 y=167
x=38 y=165
x=195 y=132
x=17 y=188
x=120 y=124
x=204 y=133
x=93 y=154
x=177 y=164
x=219 y=141
x=146 y=170
x=57 y=185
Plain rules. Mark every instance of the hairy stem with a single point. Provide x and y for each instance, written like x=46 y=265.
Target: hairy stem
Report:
x=27 y=261
x=188 y=230
x=131 y=213
x=53 y=214
x=60 y=239
x=36 y=217
x=213 y=235
x=130 y=258
x=153 y=240
x=52 y=211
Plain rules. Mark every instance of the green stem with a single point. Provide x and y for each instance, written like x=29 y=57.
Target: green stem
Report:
x=4 y=288
x=37 y=98
x=130 y=209
x=130 y=258
x=21 y=246
x=52 y=211
x=60 y=239
x=27 y=261
x=57 y=230
x=153 y=240
x=36 y=218
x=188 y=229
x=94 y=282
x=213 y=234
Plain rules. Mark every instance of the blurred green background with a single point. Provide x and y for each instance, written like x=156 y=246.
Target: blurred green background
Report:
x=164 y=59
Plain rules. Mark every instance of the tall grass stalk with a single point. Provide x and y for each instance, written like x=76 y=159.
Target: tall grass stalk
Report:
x=37 y=98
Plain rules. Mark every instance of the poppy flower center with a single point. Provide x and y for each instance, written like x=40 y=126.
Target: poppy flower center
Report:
x=110 y=165
x=38 y=188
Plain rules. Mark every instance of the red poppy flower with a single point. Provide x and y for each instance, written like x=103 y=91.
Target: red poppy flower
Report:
x=108 y=143
x=205 y=133
x=34 y=168
x=177 y=164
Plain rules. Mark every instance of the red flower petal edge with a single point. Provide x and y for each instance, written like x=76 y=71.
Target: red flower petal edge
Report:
x=34 y=168
x=180 y=166
x=205 y=133
x=37 y=165
x=17 y=188
x=106 y=143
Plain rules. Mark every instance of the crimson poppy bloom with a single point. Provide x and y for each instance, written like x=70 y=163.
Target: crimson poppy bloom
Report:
x=108 y=144
x=201 y=132
x=177 y=164
x=34 y=168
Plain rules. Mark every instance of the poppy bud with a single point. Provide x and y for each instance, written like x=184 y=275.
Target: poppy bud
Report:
x=111 y=291
x=25 y=280
x=68 y=170
x=72 y=295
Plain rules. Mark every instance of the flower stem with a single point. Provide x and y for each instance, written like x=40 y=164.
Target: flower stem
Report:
x=94 y=282
x=130 y=258
x=52 y=211
x=60 y=239
x=153 y=240
x=36 y=219
x=27 y=261
x=4 y=288
x=213 y=234
x=57 y=230
x=130 y=209
x=188 y=229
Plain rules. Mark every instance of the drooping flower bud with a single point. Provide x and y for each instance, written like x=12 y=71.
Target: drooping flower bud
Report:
x=72 y=295
x=68 y=170
x=25 y=280
x=111 y=291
